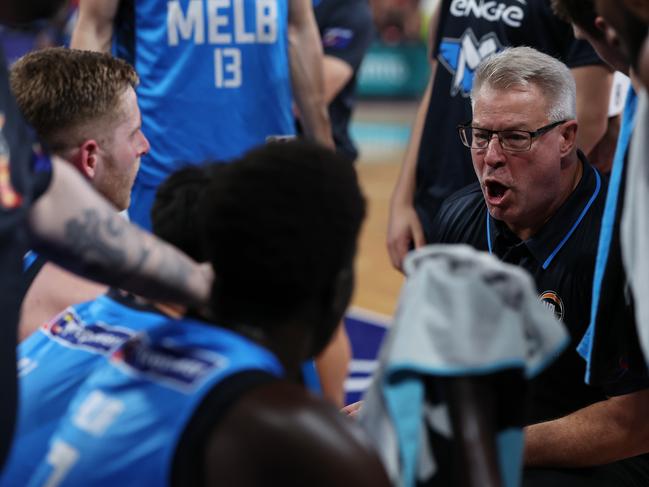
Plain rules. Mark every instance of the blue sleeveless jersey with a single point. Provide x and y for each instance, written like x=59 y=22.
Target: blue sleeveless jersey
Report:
x=52 y=365
x=215 y=80
x=123 y=426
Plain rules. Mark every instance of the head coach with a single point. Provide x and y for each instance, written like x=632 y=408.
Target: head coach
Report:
x=538 y=204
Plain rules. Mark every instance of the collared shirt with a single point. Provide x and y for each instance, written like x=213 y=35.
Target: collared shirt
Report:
x=561 y=258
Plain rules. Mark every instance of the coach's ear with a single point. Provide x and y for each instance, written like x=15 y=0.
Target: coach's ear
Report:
x=568 y=133
x=88 y=158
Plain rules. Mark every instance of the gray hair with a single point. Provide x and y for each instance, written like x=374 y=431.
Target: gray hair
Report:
x=524 y=66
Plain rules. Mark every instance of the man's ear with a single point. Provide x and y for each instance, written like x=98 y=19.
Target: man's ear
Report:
x=610 y=35
x=601 y=24
x=568 y=137
x=88 y=158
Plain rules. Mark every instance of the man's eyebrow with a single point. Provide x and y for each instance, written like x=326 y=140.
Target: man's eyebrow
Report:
x=511 y=127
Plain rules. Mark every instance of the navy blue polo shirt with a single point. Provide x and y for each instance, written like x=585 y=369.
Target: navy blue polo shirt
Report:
x=561 y=258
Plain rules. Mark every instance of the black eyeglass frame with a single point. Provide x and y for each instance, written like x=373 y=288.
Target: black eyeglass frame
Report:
x=533 y=134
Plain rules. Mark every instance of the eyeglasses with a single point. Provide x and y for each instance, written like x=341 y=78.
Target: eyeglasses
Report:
x=511 y=140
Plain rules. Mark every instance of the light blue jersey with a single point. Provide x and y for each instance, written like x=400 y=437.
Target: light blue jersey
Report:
x=55 y=361
x=123 y=426
x=215 y=78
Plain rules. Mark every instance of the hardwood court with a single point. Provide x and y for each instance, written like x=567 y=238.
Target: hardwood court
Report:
x=382 y=145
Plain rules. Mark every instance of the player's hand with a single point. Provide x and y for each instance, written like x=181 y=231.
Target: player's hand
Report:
x=352 y=410
x=404 y=232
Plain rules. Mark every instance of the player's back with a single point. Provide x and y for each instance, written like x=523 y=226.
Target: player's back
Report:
x=54 y=362
x=133 y=410
x=214 y=80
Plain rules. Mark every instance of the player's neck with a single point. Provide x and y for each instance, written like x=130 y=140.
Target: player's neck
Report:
x=287 y=341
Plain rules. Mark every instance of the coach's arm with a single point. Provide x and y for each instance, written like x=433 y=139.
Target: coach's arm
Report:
x=603 y=432
x=76 y=228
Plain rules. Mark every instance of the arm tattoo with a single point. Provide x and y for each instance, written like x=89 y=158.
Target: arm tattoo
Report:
x=111 y=250
x=102 y=242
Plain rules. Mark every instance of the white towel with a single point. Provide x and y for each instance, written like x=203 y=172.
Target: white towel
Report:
x=461 y=313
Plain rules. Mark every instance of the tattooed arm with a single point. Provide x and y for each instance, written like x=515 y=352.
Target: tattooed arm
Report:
x=77 y=229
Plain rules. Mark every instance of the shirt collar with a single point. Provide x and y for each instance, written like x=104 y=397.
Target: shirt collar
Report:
x=551 y=238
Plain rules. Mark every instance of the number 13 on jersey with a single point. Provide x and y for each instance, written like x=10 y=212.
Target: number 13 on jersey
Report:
x=227 y=67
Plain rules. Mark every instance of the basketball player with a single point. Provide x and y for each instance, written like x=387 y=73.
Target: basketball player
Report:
x=55 y=360
x=83 y=106
x=189 y=403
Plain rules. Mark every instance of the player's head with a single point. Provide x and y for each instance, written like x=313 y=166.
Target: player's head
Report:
x=589 y=26
x=523 y=136
x=625 y=26
x=175 y=211
x=281 y=225
x=83 y=106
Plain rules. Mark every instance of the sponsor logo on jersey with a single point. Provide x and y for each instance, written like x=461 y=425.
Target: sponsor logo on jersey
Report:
x=69 y=330
x=461 y=57
x=177 y=367
x=337 y=38
x=554 y=303
x=509 y=14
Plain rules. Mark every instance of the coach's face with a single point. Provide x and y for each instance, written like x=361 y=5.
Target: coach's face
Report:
x=523 y=189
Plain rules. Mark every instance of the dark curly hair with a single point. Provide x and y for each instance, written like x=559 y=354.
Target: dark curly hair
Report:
x=280 y=224
x=174 y=214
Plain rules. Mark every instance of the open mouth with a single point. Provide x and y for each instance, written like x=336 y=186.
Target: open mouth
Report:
x=495 y=190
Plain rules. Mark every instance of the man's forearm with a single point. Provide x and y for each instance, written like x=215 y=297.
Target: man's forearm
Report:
x=94 y=28
x=601 y=433
x=79 y=230
x=306 y=59
x=404 y=190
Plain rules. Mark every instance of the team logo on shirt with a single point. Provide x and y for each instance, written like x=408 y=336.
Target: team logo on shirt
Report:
x=554 y=303
x=337 y=37
x=492 y=11
x=9 y=197
x=180 y=368
x=461 y=57
x=70 y=330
